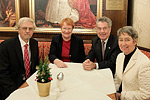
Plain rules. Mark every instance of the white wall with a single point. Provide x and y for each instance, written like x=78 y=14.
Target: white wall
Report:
x=141 y=21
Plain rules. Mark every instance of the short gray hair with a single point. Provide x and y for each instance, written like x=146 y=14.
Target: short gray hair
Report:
x=25 y=19
x=105 y=19
x=129 y=30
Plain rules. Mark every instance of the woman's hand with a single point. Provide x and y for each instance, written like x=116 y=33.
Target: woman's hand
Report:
x=60 y=63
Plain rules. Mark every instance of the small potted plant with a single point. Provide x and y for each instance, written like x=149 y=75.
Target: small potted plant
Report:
x=43 y=78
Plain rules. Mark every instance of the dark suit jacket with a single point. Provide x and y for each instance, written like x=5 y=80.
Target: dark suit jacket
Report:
x=111 y=52
x=76 y=53
x=12 y=68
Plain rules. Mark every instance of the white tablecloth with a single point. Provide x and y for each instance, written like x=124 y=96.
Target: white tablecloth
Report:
x=78 y=84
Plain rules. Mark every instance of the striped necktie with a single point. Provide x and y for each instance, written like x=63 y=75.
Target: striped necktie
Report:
x=103 y=50
x=27 y=62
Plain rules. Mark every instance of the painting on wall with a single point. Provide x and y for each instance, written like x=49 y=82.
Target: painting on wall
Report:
x=9 y=14
x=48 y=14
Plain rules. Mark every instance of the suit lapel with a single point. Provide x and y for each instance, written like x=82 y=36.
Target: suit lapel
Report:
x=109 y=46
x=120 y=67
x=107 y=50
x=60 y=45
x=129 y=66
x=32 y=51
x=72 y=45
x=19 y=50
x=132 y=62
x=98 y=47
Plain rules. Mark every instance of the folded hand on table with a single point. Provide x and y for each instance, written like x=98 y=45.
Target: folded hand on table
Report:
x=60 y=63
x=89 y=65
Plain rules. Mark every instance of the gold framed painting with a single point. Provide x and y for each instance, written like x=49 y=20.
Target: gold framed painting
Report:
x=47 y=14
x=9 y=14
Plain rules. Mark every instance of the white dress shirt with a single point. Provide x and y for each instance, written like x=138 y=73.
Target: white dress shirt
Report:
x=23 y=47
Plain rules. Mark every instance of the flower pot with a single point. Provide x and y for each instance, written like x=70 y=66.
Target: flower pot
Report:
x=43 y=88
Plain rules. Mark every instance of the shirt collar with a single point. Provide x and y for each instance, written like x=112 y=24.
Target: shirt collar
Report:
x=105 y=40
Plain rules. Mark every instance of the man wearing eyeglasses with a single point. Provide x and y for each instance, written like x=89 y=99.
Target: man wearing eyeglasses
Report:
x=18 y=58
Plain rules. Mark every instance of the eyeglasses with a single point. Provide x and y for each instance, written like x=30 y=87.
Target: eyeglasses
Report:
x=27 y=28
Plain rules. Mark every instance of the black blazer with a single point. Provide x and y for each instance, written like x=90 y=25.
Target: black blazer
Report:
x=76 y=53
x=111 y=52
x=12 y=68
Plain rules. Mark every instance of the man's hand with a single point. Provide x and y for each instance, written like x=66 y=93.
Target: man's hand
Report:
x=60 y=63
x=88 y=65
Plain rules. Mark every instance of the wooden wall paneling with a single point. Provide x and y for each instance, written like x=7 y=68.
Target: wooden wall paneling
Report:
x=48 y=36
x=7 y=35
x=118 y=17
x=130 y=13
x=45 y=36
x=24 y=8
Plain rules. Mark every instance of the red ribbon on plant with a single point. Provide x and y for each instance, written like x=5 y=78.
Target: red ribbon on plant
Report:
x=50 y=78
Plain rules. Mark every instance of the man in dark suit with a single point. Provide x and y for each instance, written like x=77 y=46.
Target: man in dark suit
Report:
x=13 y=68
x=110 y=46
